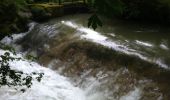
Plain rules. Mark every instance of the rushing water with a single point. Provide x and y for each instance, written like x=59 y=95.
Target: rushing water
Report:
x=52 y=87
x=149 y=42
x=63 y=80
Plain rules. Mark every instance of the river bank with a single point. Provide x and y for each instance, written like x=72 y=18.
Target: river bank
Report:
x=156 y=12
x=17 y=20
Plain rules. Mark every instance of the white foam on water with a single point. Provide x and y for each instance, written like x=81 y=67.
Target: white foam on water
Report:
x=93 y=34
x=57 y=87
x=52 y=87
x=97 y=88
x=163 y=46
x=97 y=37
x=69 y=23
x=144 y=43
x=133 y=95
x=112 y=34
x=50 y=30
x=11 y=40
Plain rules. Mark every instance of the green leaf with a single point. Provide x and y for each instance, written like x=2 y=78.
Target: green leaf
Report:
x=94 y=21
x=17 y=78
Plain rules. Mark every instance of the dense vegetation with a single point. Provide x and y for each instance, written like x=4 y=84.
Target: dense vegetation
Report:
x=152 y=10
x=10 y=19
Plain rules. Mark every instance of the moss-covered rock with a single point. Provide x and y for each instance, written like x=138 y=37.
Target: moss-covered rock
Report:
x=43 y=12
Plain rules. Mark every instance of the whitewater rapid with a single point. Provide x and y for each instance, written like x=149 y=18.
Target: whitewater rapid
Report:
x=53 y=86
x=97 y=37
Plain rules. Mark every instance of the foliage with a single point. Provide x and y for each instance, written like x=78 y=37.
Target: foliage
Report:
x=155 y=10
x=106 y=7
x=7 y=9
x=146 y=10
x=7 y=48
x=31 y=57
x=94 y=21
x=12 y=77
x=10 y=20
x=109 y=6
x=20 y=3
x=39 y=13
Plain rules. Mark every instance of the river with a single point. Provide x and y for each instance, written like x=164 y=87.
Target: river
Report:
x=120 y=61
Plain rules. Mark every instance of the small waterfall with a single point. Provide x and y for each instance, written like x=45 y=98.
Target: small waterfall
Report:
x=54 y=86
x=71 y=75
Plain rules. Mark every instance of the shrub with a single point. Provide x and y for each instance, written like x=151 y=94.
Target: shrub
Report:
x=12 y=77
x=10 y=20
